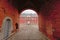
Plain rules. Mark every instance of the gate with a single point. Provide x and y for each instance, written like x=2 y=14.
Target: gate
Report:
x=6 y=29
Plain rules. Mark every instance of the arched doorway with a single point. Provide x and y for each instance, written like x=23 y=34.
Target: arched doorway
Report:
x=29 y=17
x=6 y=28
x=29 y=25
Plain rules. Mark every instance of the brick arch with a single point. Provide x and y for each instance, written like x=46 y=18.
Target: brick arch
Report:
x=30 y=9
x=40 y=18
x=33 y=10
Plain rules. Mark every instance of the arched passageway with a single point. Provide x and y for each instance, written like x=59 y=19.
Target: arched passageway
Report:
x=29 y=18
x=28 y=24
x=28 y=27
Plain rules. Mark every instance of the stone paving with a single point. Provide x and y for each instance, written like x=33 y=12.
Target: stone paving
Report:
x=28 y=32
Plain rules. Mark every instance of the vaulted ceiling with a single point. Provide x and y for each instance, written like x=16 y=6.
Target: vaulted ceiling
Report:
x=35 y=4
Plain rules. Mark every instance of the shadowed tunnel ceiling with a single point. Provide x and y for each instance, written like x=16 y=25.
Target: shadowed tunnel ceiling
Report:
x=35 y=4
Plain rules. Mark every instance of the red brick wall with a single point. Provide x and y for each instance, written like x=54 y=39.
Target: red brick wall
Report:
x=41 y=21
x=7 y=10
x=55 y=20
x=50 y=24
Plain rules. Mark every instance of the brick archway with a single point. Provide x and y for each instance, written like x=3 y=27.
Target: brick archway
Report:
x=40 y=19
x=35 y=14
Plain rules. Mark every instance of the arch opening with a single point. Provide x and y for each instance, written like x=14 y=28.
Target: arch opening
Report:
x=28 y=25
x=29 y=18
x=6 y=28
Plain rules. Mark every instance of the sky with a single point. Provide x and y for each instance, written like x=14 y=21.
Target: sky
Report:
x=29 y=13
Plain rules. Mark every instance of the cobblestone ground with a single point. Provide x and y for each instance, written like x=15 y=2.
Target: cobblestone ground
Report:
x=28 y=32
